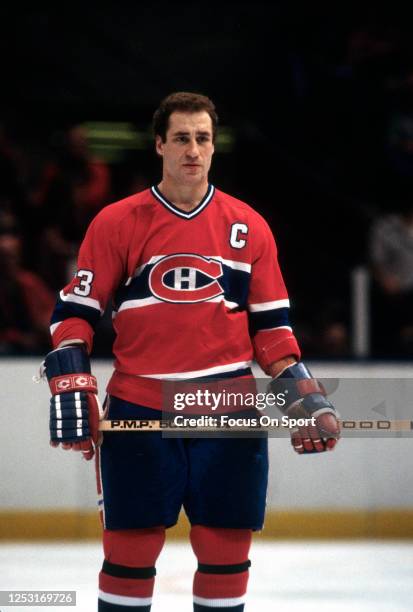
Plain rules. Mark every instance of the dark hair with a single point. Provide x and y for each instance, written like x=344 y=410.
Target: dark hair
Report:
x=182 y=102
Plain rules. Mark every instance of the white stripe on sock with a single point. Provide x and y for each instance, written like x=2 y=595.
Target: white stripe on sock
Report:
x=123 y=600
x=229 y=602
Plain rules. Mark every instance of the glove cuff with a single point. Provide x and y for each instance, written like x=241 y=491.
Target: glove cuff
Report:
x=68 y=369
x=295 y=383
x=316 y=404
x=327 y=410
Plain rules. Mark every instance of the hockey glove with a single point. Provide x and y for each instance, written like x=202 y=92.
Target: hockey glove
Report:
x=305 y=399
x=75 y=410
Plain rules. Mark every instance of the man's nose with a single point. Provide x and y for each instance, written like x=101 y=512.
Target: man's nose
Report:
x=192 y=149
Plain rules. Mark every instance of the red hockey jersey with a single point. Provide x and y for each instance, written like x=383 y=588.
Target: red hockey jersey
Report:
x=195 y=294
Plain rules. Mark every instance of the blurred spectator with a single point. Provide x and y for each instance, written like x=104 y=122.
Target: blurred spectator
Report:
x=9 y=175
x=12 y=190
x=400 y=127
x=325 y=333
x=372 y=44
x=8 y=221
x=26 y=303
x=391 y=258
x=76 y=187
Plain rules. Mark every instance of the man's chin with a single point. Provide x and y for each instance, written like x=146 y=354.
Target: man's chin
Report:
x=193 y=171
x=194 y=178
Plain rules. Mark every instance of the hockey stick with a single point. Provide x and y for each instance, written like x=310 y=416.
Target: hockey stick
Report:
x=348 y=426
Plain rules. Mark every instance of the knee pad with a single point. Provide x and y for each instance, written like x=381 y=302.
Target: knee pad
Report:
x=223 y=564
x=133 y=547
x=215 y=545
x=128 y=572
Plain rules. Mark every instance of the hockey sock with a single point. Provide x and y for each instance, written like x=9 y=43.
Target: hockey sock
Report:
x=127 y=578
x=220 y=582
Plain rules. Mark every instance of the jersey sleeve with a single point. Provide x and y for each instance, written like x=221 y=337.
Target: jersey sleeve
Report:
x=268 y=303
x=100 y=269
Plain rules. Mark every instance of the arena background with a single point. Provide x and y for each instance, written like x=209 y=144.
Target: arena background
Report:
x=317 y=134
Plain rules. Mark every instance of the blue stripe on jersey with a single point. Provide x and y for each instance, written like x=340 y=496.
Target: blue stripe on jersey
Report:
x=236 y=285
x=268 y=319
x=138 y=289
x=66 y=309
x=234 y=282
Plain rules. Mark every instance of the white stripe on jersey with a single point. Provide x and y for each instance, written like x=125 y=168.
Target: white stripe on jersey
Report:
x=150 y=301
x=152 y=261
x=77 y=299
x=269 y=305
x=123 y=600
x=273 y=328
x=229 y=305
x=222 y=369
x=228 y=602
x=54 y=326
x=235 y=265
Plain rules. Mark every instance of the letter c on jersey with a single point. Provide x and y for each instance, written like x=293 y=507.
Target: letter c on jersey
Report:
x=238 y=229
x=184 y=278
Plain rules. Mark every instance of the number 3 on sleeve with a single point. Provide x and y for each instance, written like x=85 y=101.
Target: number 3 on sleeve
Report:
x=85 y=284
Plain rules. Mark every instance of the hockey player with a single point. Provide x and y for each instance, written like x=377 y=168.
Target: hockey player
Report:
x=197 y=292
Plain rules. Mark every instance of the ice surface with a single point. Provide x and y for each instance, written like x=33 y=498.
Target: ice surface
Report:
x=285 y=576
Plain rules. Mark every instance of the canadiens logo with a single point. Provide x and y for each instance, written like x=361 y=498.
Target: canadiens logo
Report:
x=60 y=384
x=186 y=278
x=64 y=383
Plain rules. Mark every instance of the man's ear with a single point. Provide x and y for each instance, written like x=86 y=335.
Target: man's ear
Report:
x=159 y=145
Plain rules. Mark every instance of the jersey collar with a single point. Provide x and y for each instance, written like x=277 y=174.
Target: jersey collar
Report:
x=181 y=213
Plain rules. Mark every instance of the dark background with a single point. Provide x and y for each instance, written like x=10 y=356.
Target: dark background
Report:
x=310 y=96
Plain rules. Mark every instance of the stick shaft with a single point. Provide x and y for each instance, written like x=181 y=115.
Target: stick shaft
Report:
x=348 y=426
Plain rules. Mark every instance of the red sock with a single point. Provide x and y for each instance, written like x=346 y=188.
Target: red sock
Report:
x=222 y=576
x=127 y=578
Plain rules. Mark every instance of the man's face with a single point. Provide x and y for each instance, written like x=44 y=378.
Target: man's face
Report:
x=188 y=148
